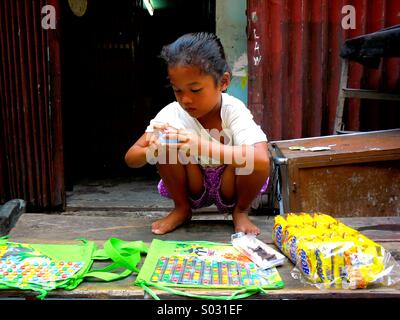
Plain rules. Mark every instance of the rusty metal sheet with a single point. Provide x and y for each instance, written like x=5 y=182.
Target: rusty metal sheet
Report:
x=299 y=44
x=31 y=131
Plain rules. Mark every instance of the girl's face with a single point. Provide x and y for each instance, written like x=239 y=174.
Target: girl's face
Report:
x=195 y=91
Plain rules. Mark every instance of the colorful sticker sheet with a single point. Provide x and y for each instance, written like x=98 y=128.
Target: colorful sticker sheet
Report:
x=22 y=264
x=204 y=264
x=195 y=271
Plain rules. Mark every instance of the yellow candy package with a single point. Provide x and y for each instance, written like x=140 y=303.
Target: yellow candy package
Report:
x=328 y=254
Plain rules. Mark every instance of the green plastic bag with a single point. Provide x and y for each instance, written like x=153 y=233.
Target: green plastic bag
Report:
x=202 y=264
x=45 y=267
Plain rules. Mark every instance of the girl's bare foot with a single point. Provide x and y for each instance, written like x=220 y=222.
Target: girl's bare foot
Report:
x=172 y=221
x=243 y=223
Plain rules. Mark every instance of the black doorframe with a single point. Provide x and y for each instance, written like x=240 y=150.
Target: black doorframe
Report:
x=109 y=88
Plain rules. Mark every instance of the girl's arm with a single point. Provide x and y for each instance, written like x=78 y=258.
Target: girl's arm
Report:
x=136 y=155
x=245 y=156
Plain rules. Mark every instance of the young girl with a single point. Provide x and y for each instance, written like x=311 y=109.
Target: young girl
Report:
x=213 y=138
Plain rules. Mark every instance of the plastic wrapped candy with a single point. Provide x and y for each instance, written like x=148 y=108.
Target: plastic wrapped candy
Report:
x=257 y=251
x=327 y=253
x=161 y=135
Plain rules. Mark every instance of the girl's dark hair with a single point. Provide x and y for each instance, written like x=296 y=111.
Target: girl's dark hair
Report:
x=202 y=49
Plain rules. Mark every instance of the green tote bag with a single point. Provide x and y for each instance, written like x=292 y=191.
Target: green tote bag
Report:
x=45 y=267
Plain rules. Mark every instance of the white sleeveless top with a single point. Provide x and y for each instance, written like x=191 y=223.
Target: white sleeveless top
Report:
x=238 y=125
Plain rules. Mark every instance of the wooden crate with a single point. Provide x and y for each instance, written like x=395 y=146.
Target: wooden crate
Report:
x=359 y=176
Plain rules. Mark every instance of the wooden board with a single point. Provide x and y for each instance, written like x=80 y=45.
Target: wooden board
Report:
x=42 y=228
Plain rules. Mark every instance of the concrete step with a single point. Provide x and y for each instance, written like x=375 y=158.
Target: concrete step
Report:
x=201 y=214
x=9 y=214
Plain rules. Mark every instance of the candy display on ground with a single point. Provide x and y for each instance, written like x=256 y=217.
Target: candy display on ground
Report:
x=329 y=254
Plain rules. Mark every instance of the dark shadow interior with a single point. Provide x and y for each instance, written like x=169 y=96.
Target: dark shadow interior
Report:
x=114 y=82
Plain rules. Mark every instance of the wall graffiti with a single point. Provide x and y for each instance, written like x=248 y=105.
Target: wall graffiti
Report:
x=257 y=50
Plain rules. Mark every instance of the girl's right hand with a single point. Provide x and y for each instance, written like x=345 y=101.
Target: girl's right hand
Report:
x=153 y=137
x=161 y=126
x=159 y=129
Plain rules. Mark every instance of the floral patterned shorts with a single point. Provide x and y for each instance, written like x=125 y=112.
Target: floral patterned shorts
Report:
x=211 y=194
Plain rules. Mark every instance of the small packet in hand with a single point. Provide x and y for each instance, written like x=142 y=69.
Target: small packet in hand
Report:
x=162 y=139
x=259 y=252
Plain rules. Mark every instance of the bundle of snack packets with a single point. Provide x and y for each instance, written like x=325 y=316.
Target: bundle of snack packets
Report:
x=329 y=254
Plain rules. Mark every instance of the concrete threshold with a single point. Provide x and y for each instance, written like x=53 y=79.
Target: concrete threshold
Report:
x=116 y=212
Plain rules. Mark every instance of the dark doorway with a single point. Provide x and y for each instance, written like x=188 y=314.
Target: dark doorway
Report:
x=113 y=80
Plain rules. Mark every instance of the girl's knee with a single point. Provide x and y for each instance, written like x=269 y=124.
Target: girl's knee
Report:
x=169 y=167
x=168 y=156
x=228 y=184
x=195 y=179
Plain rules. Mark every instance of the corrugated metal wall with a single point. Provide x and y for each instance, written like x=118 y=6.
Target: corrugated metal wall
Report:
x=31 y=161
x=294 y=66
